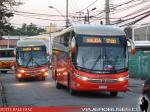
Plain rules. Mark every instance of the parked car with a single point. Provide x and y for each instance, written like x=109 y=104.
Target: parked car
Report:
x=146 y=88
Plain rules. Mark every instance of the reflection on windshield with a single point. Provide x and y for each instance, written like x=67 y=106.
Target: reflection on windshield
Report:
x=101 y=58
x=32 y=58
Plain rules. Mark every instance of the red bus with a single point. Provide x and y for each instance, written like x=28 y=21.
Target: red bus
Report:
x=91 y=58
x=31 y=59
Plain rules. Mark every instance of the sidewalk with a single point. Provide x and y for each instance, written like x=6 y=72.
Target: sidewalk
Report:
x=136 y=85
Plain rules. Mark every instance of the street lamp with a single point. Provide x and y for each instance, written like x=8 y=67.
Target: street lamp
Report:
x=57 y=10
x=88 y=14
x=66 y=17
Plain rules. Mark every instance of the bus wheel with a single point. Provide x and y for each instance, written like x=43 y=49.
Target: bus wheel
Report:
x=4 y=71
x=71 y=91
x=20 y=79
x=58 y=86
x=113 y=93
x=42 y=78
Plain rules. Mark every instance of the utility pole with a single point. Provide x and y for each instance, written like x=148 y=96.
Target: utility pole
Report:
x=107 y=11
x=67 y=20
x=88 y=17
x=80 y=16
x=85 y=19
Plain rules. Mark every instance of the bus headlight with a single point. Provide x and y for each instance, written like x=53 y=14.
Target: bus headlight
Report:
x=46 y=73
x=43 y=70
x=81 y=77
x=123 y=78
x=22 y=71
x=19 y=75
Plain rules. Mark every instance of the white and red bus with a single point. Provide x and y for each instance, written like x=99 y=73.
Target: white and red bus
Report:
x=91 y=58
x=7 y=59
x=31 y=59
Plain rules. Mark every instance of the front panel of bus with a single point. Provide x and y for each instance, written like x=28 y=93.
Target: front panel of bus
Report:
x=7 y=59
x=31 y=61
x=100 y=63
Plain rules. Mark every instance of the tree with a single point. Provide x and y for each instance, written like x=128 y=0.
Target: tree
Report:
x=5 y=14
x=27 y=30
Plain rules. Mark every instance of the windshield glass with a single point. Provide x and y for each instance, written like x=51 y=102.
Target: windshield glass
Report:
x=6 y=53
x=31 y=58
x=101 y=57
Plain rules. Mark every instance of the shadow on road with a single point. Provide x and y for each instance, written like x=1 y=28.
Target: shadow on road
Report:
x=91 y=94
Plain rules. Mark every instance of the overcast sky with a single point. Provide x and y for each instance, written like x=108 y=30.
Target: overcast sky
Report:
x=41 y=6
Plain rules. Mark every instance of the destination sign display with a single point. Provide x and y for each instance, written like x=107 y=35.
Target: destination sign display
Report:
x=31 y=48
x=92 y=40
x=107 y=40
x=110 y=40
x=26 y=49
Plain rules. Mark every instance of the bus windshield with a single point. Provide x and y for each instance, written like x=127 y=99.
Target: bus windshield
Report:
x=31 y=58
x=6 y=53
x=102 y=57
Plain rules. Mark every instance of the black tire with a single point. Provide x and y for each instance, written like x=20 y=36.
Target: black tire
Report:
x=20 y=79
x=43 y=78
x=113 y=93
x=4 y=71
x=71 y=91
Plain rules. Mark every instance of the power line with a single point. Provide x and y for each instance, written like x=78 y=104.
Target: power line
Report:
x=140 y=2
x=133 y=17
x=88 y=6
x=37 y=18
x=37 y=13
x=133 y=22
x=138 y=11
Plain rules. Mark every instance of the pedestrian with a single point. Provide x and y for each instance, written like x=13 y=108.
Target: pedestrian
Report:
x=144 y=105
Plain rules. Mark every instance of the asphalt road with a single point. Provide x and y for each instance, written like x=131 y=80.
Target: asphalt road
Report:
x=44 y=93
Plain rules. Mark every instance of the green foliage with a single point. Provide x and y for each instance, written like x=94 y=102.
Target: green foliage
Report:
x=27 y=30
x=5 y=14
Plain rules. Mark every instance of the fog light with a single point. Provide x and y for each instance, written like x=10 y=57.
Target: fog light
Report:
x=19 y=75
x=46 y=74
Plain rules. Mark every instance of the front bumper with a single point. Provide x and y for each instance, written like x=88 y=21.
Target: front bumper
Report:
x=32 y=75
x=80 y=85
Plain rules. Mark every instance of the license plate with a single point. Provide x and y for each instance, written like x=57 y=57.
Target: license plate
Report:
x=103 y=87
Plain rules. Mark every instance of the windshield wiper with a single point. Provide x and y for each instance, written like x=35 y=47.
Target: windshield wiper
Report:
x=29 y=61
x=98 y=58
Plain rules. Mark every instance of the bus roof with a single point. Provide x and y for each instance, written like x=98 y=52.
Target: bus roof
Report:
x=25 y=43
x=88 y=29
x=2 y=49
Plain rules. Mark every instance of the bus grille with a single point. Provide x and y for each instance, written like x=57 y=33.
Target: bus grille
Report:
x=103 y=80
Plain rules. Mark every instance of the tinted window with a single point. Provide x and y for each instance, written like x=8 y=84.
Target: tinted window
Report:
x=6 y=53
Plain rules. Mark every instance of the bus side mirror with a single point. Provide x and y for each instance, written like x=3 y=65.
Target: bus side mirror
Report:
x=132 y=45
x=73 y=45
